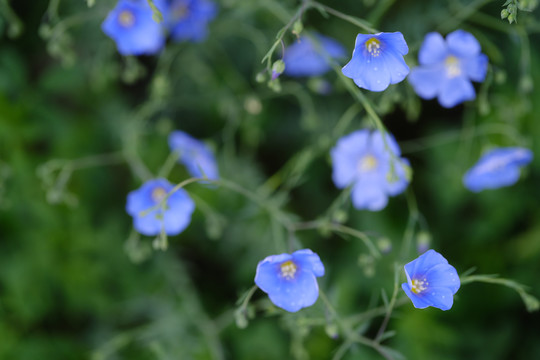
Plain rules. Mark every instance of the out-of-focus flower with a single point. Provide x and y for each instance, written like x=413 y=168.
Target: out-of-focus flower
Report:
x=447 y=68
x=194 y=154
x=431 y=281
x=174 y=217
x=290 y=279
x=311 y=55
x=372 y=165
x=377 y=61
x=497 y=168
x=131 y=26
x=188 y=19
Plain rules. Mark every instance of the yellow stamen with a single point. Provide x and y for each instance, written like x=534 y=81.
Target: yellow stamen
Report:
x=373 y=46
x=419 y=285
x=158 y=194
x=453 y=67
x=126 y=18
x=179 y=11
x=367 y=163
x=288 y=269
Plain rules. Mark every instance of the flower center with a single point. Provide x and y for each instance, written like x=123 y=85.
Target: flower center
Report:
x=158 y=194
x=373 y=46
x=367 y=163
x=126 y=18
x=453 y=67
x=179 y=11
x=419 y=285
x=288 y=269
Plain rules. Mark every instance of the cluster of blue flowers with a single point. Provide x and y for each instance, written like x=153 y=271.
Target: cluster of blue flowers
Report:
x=446 y=69
x=369 y=162
x=291 y=284
x=132 y=25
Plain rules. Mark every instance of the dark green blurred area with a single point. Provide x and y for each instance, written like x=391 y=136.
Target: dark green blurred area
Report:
x=69 y=288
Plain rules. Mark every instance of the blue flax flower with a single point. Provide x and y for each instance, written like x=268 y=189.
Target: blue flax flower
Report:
x=377 y=61
x=447 y=68
x=188 y=19
x=498 y=168
x=290 y=279
x=431 y=281
x=194 y=154
x=131 y=26
x=173 y=219
x=311 y=55
x=372 y=166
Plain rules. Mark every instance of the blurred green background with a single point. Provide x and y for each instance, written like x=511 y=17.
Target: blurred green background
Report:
x=79 y=124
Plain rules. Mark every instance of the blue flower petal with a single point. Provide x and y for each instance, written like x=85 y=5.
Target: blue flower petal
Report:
x=307 y=259
x=476 y=67
x=418 y=302
x=427 y=81
x=368 y=195
x=395 y=66
x=296 y=294
x=140 y=34
x=439 y=297
x=188 y=19
x=455 y=91
x=375 y=71
x=149 y=224
x=478 y=182
x=332 y=47
x=398 y=181
x=447 y=67
x=174 y=219
x=364 y=160
x=444 y=275
x=367 y=72
x=434 y=281
x=266 y=277
x=498 y=168
x=194 y=154
x=345 y=156
x=385 y=147
x=396 y=41
x=372 y=74
x=433 y=49
x=136 y=203
x=462 y=44
x=311 y=56
x=177 y=217
x=424 y=262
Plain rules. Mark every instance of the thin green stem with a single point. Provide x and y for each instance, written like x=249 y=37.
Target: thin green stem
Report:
x=356 y=93
x=281 y=33
x=461 y=15
x=358 y=234
x=168 y=164
x=411 y=223
x=530 y=301
x=351 y=335
x=390 y=306
x=363 y=24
